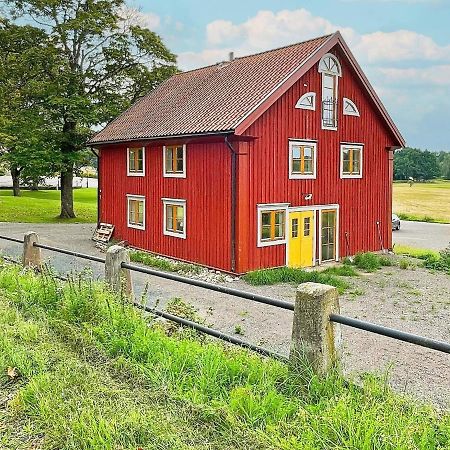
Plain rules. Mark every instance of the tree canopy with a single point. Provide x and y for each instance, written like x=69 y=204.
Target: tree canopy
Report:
x=101 y=60
x=417 y=164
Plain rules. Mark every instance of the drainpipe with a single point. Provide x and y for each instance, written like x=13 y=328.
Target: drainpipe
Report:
x=97 y=154
x=233 y=203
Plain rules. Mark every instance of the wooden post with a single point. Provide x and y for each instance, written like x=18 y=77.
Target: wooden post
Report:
x=31 y=256
x=118 y=279
x=315 y=340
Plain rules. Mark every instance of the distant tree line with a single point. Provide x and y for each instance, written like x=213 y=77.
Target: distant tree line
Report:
x=421 y=164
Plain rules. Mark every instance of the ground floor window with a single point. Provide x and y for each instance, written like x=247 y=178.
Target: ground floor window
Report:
x=271 y=225
x=174 y=217
x=136 y=211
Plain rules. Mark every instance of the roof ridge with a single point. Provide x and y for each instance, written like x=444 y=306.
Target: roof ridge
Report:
x=255 y=54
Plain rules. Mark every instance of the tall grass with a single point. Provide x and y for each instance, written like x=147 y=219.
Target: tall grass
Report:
x=292 y=275
x=217 y=396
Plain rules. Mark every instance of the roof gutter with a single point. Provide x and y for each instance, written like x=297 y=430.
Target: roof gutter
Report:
x=158 y=138
x=233 y=203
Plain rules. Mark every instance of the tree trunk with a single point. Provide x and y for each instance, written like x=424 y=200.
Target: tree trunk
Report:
x=67 y=211
x=15 y=174
x=67 y=149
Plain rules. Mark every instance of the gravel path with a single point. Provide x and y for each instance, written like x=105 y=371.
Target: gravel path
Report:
x=413 y=300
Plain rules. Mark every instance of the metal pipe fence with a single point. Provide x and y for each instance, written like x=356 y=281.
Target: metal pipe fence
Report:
x=434 y=344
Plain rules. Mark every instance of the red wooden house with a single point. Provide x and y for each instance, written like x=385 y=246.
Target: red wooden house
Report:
x=279 y=158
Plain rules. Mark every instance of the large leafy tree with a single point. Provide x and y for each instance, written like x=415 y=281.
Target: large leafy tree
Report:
x=416 y=163
x=105 y=61
x=25 y=128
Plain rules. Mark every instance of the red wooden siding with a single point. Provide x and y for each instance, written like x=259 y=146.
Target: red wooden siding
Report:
x=362 y=201
x=206 y=189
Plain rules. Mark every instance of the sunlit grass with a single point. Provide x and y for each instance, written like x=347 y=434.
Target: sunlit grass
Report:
x=427 y=202
x=43 y=206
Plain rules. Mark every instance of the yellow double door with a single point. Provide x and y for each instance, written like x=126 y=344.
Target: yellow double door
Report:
x=301 y=239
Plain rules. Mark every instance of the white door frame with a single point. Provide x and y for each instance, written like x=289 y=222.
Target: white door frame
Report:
x=317 y=230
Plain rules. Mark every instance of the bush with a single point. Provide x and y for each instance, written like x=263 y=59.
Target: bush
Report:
x=291 y=275
x=369 y=262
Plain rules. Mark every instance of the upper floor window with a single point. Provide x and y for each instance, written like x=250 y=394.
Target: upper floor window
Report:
x=174 y=217
x=271 y=224
x=136 y=211
x=174 y=157
x=307 y=101
x=350 y=109
x=331 y=70
x=351 y=161
x=302 y=159
x=136 y=161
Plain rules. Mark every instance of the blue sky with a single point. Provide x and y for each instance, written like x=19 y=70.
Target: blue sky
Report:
x=403 y=45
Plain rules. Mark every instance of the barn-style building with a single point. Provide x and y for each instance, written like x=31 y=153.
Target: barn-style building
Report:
x=280 y=158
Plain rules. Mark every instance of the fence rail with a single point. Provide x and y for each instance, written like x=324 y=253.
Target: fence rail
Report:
x=319 y=300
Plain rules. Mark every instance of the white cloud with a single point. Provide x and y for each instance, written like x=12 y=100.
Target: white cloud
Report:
x=434 y=75
x=268 y=29
x=399 y=45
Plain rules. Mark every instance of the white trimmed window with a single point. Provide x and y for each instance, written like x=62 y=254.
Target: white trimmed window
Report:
x=136 y=161
x=136 y=211
x=302 y=159
x=272 y=224
x=330 y=69
x=351 y=160
x=174 y=160
x=307 y=101
x=350 y=109
x=174 y=217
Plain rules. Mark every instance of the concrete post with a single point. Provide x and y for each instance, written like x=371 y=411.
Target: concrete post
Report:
x=315 y=340
x=31 y=256
x=117 y=278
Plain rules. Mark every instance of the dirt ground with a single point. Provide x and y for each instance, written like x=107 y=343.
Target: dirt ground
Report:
x=414 y=300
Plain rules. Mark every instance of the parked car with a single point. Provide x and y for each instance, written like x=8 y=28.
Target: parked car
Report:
x=395 y=222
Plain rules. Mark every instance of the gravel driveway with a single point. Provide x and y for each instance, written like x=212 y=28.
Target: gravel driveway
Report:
x=413 y=300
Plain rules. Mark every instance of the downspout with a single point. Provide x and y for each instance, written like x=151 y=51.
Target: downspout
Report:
x=98 y=185
x=233 y=203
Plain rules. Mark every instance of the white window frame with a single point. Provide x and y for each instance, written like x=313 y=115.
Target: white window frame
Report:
x=177 y=202
x=140 y=198
x=267 y=208
x=299 y=105
x=349 y=113
x=336 y=74
x=347 y=145
x=136 y=174
x=299 y=176
x=174 y=174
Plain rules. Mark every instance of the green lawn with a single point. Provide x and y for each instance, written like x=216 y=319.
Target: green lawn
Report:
x=81 y=370
x=44 y=206
x=427 y=202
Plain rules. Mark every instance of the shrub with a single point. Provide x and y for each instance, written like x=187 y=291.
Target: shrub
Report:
x=369 y=262
x=291 y=275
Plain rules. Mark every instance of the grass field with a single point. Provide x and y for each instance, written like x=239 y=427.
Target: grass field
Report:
x=428 y=202
x=44 y=206
x=81 y=370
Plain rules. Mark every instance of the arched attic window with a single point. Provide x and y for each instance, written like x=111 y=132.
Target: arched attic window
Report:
x=330 y=68
x=350 y=109
x=307 y=101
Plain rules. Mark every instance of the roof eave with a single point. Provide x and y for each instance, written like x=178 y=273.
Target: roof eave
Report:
x=159 y=138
